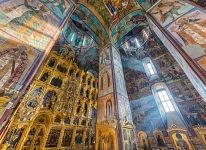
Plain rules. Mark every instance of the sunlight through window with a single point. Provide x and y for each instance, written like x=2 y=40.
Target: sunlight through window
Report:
x=151 y=71
x=165 y=100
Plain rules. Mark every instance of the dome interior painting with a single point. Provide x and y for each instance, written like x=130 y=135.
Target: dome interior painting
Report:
x=102 y=74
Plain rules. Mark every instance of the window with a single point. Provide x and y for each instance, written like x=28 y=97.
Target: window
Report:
x=165 y=100
x=150 y=68
x=108 y=109
x=72 y=38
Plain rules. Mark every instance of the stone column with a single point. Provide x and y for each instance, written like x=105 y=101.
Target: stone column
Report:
x=113 y=104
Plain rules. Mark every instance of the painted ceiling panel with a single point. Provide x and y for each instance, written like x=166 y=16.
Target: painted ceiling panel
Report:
x=129 y=22
x=146 y=4
x=88 y=19
x=101 y=9
x=200 y=2
x=33 y=22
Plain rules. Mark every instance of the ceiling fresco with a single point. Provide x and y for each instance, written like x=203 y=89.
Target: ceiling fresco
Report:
x=146 y=4
x=85 y=17
x=101 y=9
x=129 y=22
x=89 y=61
x=200 y=2
x=33 y=22
x=78 y=38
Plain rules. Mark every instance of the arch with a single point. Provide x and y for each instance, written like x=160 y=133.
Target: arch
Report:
x=109 y=109
x=36 y=134
x=143 y=140
x=150 y=69
x=163 y=97
x=96 y=14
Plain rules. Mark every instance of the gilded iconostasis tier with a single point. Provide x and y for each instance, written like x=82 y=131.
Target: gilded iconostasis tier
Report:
x=58 y=110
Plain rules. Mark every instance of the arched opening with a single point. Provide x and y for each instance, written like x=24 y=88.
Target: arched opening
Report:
x=108 y=109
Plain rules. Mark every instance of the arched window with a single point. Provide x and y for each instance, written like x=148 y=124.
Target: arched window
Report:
x=163 y=97
x=72 y=37
x=102 y=80
x=108 y=79
x=108 y=109
x=165 y=100
x=110 y=6
x=149 y=68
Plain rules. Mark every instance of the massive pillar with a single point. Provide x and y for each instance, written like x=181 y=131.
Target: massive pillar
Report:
x=114 y=129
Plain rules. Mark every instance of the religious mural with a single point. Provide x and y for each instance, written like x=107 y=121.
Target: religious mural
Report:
x=32 y=22
x=189 y=31
x=16 y=61
x=145 y=113
x=85 y=17
x=130 y=21
x=167 y=11
x=146 y=4
x=146 y=116
x=101 y=9
x=200 y=2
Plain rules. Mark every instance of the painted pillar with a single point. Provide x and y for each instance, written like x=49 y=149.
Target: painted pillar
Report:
x=113 y=109
x=182 y=29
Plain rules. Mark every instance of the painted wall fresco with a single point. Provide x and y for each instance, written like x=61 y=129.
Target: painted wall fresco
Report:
x=196 y=81
x=146 y=116
x=146 y=4
x=77 y=36
x=16 y=61
x=190 y=32
x=101 y=9
x=105 y=72
x=122 y=97
x=167 y=11
x=132 y=20
x=200 y=2
x=188 y=100
x=33 y=22
x=89 y=61
x=85 y=17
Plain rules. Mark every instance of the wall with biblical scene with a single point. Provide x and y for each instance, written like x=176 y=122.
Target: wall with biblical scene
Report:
x=58 y=110
x=146 y=4
x=186 y=25
x=200 y=2
x=132 y=20
x=90 y=23
x=16 y=61
x=28 y=30
x=33 y=22
x=146 y=115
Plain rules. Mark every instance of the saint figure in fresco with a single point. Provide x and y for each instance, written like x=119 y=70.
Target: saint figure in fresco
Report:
x=160 y=141
x=167 y=9
x=181 y=143
x=104 y=58
x=202 y=62
x=144 y=146
x=192 y=30
x=78 y=138
x=60 y=4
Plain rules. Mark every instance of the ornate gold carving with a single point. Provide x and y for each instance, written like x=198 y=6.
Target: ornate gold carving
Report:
x=54 y=108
